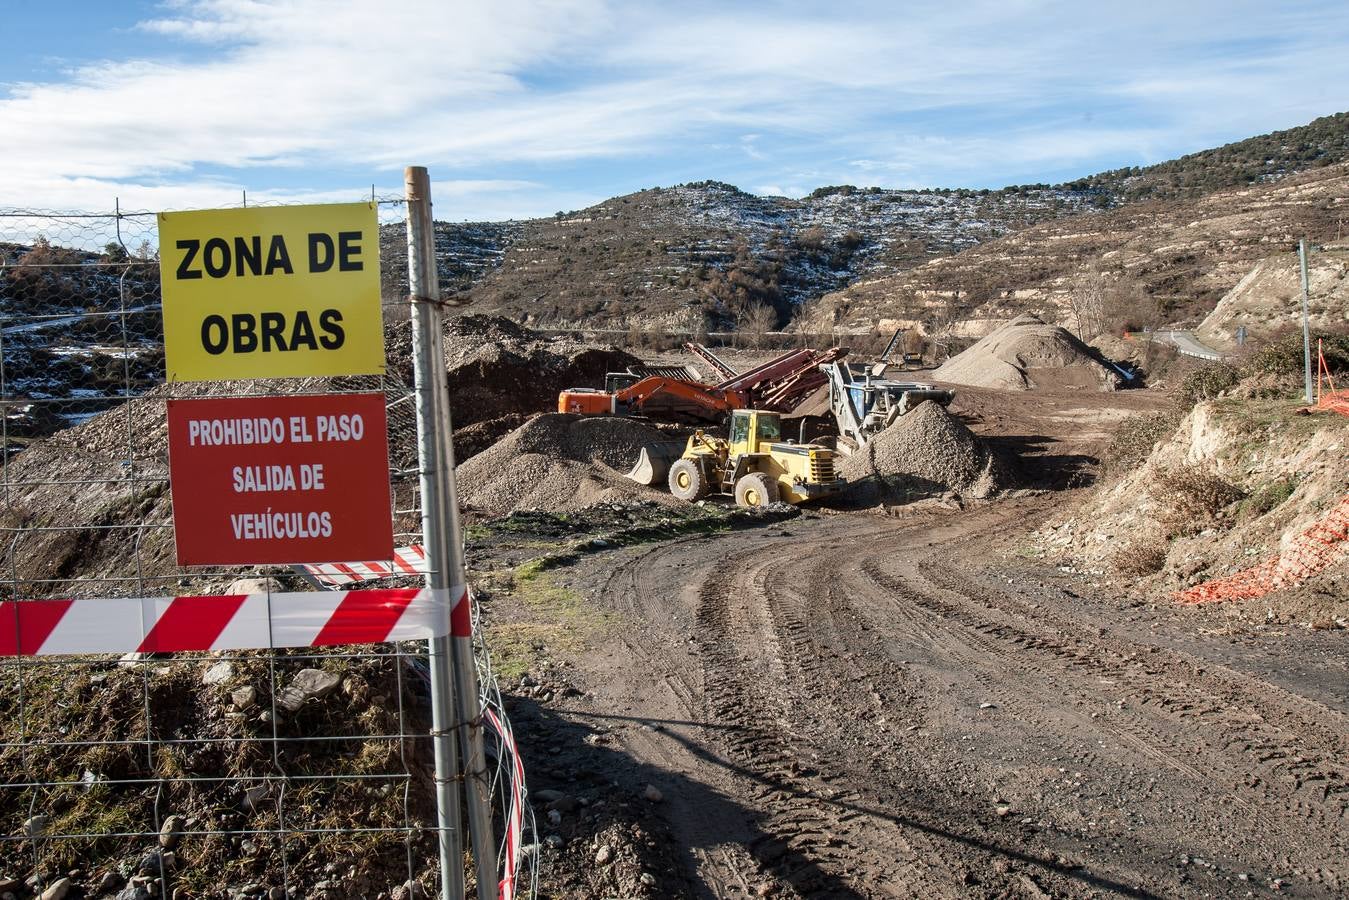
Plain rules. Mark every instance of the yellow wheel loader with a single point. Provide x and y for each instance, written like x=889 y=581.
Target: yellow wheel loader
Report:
x=755 y=464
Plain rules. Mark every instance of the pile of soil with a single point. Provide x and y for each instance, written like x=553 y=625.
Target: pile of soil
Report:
x=499 y=369
x=93 y=501
x=1027 y=354
x=557 y=462
x=926 y=452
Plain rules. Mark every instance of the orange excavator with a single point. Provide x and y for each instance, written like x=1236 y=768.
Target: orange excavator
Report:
x=777 y=385
x=662 y=397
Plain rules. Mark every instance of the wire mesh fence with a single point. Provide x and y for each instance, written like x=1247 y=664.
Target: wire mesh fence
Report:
x=282 y=772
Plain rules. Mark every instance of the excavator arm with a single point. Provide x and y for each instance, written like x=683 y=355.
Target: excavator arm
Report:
x=674 y=396
x=657 y=396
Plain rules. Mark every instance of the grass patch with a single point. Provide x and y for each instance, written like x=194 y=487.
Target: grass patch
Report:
x=558 y=620
x=1254 y=423
x=519 y=647
x=1266 y=498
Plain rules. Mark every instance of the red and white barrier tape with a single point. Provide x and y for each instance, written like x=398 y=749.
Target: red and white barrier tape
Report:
x=406 y=561
x=228 y=622
x=515 y=818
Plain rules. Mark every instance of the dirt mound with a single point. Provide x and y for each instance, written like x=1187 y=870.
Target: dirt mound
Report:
x=926 y=452
x=1028 y=353
x=499 y=368
x=1235 y=484
x=70 y=707
x=471 y=330
x=557 y=462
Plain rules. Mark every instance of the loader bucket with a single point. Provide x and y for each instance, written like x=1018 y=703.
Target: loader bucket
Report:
x=653 y=463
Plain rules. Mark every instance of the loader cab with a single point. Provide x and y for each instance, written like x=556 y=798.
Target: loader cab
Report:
x=750 y=427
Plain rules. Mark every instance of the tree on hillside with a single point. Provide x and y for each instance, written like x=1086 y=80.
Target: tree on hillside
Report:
x=755 y=322
x=1087 y=302
x=1101 y=303
x=815 y=320
x=45 y=275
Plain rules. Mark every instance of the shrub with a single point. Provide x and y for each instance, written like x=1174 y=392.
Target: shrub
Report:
x=1146 y=556
x=812 y=239
x=1192 y=498
x=1134 y=439
x=1283 y=355
x=1207 y=383
x=1267 y=497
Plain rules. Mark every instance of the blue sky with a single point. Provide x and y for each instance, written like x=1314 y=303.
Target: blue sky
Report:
x=524 y=107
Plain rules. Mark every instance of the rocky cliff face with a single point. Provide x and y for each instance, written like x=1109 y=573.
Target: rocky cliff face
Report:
x=1269 y=299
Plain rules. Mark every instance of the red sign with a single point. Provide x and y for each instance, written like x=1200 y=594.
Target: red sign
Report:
x=299 y=479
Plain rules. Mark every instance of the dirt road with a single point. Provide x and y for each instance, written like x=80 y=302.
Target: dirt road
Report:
x=864 y=706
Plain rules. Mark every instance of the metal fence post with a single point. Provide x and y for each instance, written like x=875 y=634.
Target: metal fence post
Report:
x=1306 y=327
x=454 y=680
x=426 y=355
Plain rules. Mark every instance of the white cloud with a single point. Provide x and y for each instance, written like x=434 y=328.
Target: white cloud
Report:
x=299 y=81
x=527 y=93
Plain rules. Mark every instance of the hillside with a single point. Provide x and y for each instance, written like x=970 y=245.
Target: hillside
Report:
x=710 y=255
x=1161 y=261
x=713 y=250
x=1233 y=485
x=707 y=253
x=1267 y=157
x=1269 y=299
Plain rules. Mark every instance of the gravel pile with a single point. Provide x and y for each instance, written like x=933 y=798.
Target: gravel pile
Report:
x=924 y=453
x=1025 y=354
x=557 y=462
x=465 y=333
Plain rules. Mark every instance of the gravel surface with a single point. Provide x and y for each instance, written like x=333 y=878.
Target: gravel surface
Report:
x=1026 y=354
x=926 y=452
x=557 y=462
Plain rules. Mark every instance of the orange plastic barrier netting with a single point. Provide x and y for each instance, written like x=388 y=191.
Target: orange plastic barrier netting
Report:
x=1315 y=550
x=1333 y=400
x=1336 y=401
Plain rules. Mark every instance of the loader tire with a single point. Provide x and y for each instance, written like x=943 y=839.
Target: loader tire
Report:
x=756 y=489
x=688 y=481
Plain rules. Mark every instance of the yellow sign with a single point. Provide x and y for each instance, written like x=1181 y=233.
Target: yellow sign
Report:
x=271 y=292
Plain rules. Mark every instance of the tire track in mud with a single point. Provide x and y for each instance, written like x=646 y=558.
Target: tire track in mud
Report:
x=721 y=868
x=819 y=665
x=1269 y=721
x=820 y=844
x=1271 y=758
x=832 y=706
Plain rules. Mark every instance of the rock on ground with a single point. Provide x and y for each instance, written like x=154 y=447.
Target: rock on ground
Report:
x=309 y=685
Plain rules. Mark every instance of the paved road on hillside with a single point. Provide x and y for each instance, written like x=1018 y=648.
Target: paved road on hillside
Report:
x=1188 y=344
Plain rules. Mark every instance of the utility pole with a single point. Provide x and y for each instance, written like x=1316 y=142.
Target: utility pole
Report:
x=454 y=684
x=1306 y=327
